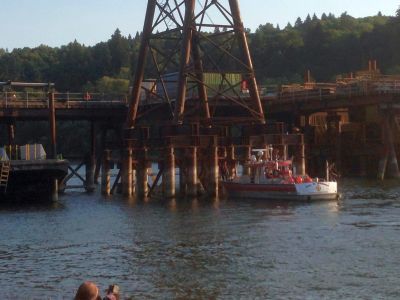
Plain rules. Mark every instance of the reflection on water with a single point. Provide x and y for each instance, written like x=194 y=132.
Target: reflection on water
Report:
x=195 y=249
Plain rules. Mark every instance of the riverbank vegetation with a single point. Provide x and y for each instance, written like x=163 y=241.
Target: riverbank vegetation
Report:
x=327 y=45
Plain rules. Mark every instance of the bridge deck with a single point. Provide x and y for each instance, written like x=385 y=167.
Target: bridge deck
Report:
x=29 y=106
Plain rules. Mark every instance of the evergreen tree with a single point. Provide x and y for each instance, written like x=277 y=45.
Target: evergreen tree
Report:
x=308 y=19
x=298 y=22
x=119 y=50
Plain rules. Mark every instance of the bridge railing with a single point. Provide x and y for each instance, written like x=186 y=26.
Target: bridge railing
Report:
x=91 y=98
x=23 y=99
x=40 y=99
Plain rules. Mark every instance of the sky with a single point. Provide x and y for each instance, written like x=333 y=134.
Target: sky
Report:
x=29 y=23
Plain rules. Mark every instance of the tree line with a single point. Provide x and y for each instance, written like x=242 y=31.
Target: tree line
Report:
x=327 y=46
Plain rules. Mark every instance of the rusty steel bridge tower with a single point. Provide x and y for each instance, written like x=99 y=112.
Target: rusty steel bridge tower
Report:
x=180 y=44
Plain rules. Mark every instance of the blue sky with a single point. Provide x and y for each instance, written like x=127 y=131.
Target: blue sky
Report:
x=29 y=23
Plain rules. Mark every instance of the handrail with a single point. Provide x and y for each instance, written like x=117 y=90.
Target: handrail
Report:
x=311 y=91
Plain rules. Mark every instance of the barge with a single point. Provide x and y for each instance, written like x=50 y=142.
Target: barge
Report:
x=32 y=179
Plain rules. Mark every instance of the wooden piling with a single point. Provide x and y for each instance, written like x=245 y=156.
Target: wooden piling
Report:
x=11 y=133
x=127 y=172
x=106 y=173
x=90 y=165
x=393 y=166
x=213 y=186
x=230 y=158
x=191 y=170
x=91 y=160
x=53 y=132
x=54 y=190
x=168 y=176
x=382 y=166
x=141 y=173
x=300 y=160
x=247 y=155
x=182 y=177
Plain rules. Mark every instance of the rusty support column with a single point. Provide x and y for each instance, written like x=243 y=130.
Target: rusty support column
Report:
x=382 y=164
x=393 y=166
x=334 y=134
x=11 y=133
x=241 y=36
x=182 y=175
x=53 y=136
x=384 y=152
x=191 y=170
x=90 y=163
x=91 y=160
x=169 y=173
x=127 y=172
x=301 y=160
x=105 y=173
x=100 y=156
x=184 y=62
x=54 y=190
x=231 y=161
x=53 y=132
x=285 y=151
x=198 y=65
x=247 y=155
x=141 y=173
x=139 y=74
x=213 y=188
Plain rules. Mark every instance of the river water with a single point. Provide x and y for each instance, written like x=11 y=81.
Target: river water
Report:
x=204 y=249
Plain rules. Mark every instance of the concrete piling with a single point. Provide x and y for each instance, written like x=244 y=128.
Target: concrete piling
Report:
x=393 y=166
x=54 y=190
x=106 y=173
x=300 y=161
x=127 y=172
x=230 y=158
x=182 y=178
x=247 y=155
x=142 y=188
x=90 y=165
x=191 y=169
x=213 y=172
x=169 y=173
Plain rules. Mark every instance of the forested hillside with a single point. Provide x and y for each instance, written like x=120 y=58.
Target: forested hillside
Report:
x=327 y=46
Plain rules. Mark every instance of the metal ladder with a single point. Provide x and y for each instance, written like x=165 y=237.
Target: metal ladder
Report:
x=4 y=175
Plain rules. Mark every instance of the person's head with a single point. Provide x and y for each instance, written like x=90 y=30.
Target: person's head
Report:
x=87 y=291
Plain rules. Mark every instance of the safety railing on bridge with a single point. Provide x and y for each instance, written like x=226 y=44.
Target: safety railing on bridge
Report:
x=302 y=93
x=40 y=99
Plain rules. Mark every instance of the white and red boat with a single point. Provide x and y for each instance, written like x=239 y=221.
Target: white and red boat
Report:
x=275 y=180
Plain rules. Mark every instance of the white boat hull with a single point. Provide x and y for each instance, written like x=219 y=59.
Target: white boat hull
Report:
x=301 y=191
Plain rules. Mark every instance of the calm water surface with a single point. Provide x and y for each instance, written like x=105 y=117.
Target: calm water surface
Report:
x=206 y=249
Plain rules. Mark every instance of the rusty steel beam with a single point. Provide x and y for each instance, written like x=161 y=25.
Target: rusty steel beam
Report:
x=53 y=131
x=199 y=71
x=139 y=74
x=241 y=35
x=184 y=62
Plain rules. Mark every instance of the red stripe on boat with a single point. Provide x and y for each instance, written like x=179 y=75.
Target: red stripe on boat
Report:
x=260 y=187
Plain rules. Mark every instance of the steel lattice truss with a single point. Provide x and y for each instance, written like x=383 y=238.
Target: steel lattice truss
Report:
x=185 y=55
